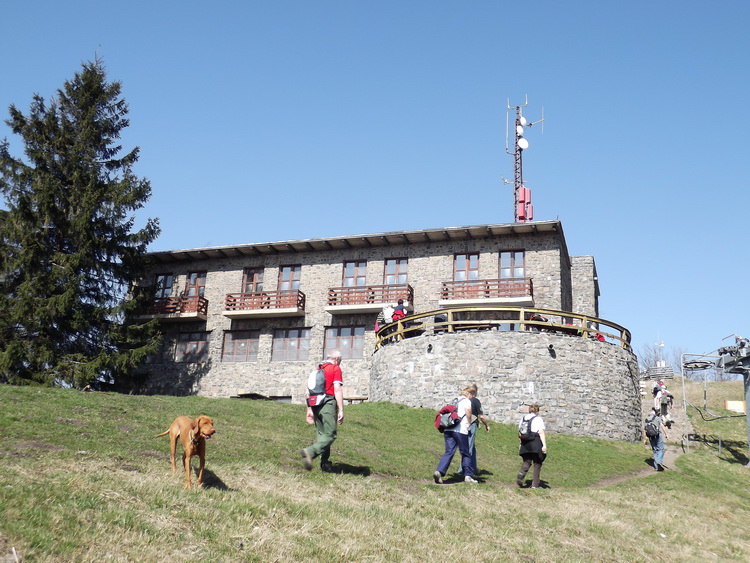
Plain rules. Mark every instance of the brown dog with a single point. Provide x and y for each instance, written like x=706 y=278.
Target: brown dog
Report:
x=193 y=435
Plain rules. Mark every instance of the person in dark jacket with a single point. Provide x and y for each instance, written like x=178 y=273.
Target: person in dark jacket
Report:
x=532 y=451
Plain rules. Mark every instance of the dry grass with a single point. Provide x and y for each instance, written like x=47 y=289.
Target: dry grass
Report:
x=119 y=501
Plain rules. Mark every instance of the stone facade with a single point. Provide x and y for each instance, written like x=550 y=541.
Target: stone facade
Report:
x=560 y=282
x=585 y=387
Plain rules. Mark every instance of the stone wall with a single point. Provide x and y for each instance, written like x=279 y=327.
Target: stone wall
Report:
x=585 y=285
x=585 y=387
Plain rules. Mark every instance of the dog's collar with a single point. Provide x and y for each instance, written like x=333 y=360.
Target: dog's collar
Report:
x=192 y=440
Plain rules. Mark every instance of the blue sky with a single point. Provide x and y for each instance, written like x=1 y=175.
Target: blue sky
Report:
x=266 y=121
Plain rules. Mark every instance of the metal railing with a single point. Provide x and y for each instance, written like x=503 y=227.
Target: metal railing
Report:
x=288 y=299
x=178 y=305
x=487 y=289
x=461 y=319
x=370 y=294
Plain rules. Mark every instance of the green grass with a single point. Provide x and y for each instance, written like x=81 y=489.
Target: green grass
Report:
x=83 y=478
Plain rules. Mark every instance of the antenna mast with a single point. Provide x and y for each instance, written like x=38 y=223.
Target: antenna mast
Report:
x=523 y=210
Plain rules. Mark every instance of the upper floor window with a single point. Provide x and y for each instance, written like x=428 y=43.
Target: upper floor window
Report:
x=240 y=346
x=396 y=270
x=196 y=284
x=466 y=267
x=192 y=347
x=354 y=273
x=512 y=264
x=349 y=340
x=163 y=285
x=252 y=280
x=289 y=277
x=291 y=345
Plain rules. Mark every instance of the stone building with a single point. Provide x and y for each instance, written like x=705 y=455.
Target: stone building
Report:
x=251 y=320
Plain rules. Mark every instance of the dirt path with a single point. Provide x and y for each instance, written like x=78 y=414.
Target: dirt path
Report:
x=671 y=454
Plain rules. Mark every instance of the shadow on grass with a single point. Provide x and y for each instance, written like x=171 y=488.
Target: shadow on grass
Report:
x=345 y=468
x=733 y=451
x=213 y=481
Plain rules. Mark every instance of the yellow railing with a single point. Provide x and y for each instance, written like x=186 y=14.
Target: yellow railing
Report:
x=460 y=319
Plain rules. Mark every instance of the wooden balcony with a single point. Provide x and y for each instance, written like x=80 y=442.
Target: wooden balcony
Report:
x=178 y=309
x=368 y=298
x=264 y=304
x=515 y=291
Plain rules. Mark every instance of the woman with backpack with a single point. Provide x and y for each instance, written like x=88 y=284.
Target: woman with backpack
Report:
x=533 y=446
x=457 y=436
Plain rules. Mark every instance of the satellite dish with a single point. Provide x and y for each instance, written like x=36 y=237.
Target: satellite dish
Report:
x=523 y=144
x=522 y=120
x=519 y=131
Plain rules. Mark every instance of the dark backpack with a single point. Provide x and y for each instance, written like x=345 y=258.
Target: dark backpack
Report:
x=447 y=417
x=316 y=387
x=651 y=427
x=524 y=430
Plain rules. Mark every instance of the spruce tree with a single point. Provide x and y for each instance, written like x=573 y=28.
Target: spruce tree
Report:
x=68 y=248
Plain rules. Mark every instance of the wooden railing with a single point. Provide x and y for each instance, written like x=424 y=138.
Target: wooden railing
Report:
x=289 y=299
x=178 y=305
x=487 y=289
x=461 y=319
x=370 y=294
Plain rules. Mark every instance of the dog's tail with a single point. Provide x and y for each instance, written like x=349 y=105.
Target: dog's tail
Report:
x=162 y=434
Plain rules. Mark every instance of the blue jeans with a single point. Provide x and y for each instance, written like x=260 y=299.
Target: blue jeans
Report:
x=455 y=440
x=473 y=428
x=657 y=445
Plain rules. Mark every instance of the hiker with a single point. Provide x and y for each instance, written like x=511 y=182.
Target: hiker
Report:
x=399 y=311
x=665 y=402
x=533 y=447
x=654 y=432
x=325 y=416
x=458 y=437
x=478 y=413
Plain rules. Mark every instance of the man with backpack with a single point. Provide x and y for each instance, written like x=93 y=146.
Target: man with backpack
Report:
x=325 y=410
x=654 y=432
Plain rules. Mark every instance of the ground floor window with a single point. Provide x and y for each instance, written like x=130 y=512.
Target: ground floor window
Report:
x=192 y=347
x=291 y=345
x=349 y=340
x=240 y=346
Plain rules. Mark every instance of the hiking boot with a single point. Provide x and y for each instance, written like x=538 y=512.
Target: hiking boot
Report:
x=326 y=467
x=519 y=480
x=438 y=477
x=306 y=460
x=468 y=479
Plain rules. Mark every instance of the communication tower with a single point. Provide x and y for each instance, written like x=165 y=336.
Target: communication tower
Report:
x=523 y=210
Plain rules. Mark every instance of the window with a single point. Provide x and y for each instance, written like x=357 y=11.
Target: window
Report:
x=466 y=267
x=291 y=345
x=196 y=284
x=252 y=280
x=289 y=277
x=240 y=346
x=349 y=340
x=163 y=285
x=354 y=273
x=512 y=264
x=192 y=347
x=395 y=271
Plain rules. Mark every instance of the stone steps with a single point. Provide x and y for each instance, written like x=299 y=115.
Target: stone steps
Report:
x=680 y=426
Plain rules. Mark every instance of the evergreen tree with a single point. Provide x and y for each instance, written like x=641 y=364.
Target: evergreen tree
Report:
x=68 y=249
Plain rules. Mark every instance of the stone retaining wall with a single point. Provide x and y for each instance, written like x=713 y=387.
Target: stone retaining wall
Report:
x=585 y=387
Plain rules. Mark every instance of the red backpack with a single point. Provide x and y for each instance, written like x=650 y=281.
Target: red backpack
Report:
x=447 y=417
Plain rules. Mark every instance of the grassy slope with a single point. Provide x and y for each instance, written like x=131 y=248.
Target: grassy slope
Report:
x=82 y=478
